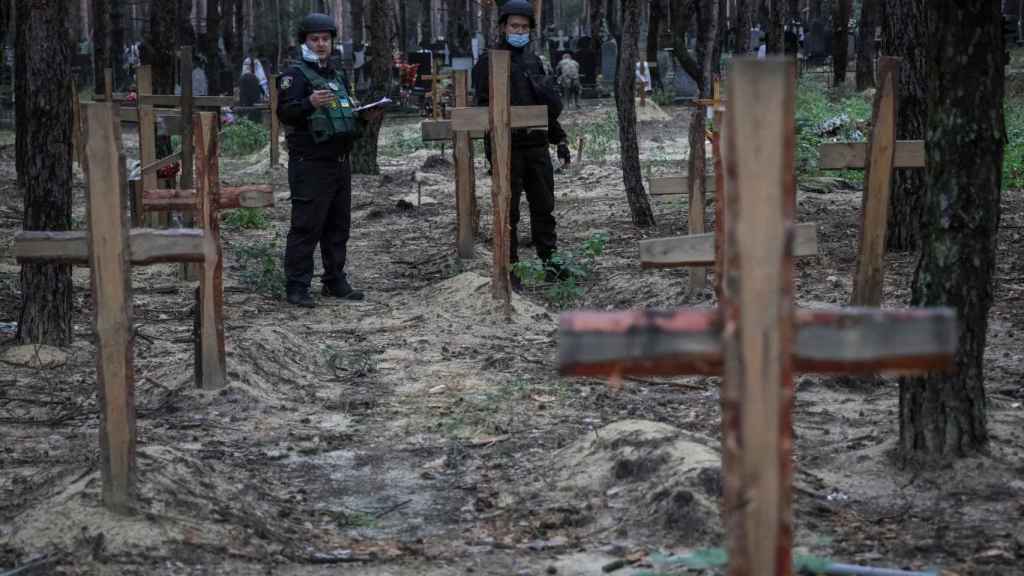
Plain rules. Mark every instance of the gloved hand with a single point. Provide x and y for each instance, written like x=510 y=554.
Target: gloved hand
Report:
x=563 y=154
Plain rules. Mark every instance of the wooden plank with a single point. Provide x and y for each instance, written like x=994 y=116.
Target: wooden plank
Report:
x=465 y=188
x=700 y=249
x=440 y=131
x=132 y=114
x=111 y=289
x=757 y=387
x=252 y=196
x=673 y=185
x=108 y=84
x=477 y=118
x=717 y=151
x=275 y=124
x=147 y=145
x=867 y=280
x=187 y=272
x=829 y=341
x=174 y=101
x=211 y=370
x=145 y=246
x=696 y=196
x=853 y=155
x=501 y=173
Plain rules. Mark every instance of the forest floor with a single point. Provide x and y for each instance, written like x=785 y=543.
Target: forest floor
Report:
x=420 y=433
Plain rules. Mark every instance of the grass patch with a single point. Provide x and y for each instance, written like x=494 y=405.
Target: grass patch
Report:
x=260 y=267
x=823 y=116
x=575 y=266
x=246 y=219
x=601 y=137
x=243 y=137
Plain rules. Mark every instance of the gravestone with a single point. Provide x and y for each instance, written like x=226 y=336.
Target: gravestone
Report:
x=851 y=46
x=422 y=58
x=684 y=86
x=814 y=42
x=665 y=63
x=587 y=59
x=609 y=60
x=755 y=39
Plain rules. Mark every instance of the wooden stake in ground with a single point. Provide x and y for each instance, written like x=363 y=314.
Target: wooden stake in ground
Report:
x=501 y=170
x=109 y=259
x=756 y=337
x=211 y=371
x=465 y=187
x=275 y=125
x=867 y=282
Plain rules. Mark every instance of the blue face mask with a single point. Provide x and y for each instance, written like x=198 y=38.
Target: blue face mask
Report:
x=517 y=40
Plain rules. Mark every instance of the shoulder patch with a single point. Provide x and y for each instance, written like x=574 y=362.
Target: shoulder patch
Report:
x=286 y=82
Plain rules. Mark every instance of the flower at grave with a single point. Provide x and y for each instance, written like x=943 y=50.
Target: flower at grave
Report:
x=169 y=171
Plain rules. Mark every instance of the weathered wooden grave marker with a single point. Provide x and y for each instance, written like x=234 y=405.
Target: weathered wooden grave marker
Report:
x=878 y=157
x=757 y=338
x=110 y=250
x=499 y=118
x=702 y=249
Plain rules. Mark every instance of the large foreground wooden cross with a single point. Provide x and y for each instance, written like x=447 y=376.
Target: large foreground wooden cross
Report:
x=499 y=118
x=110 y=249
x=757 y=338
x=878 y=157
x=699 y=249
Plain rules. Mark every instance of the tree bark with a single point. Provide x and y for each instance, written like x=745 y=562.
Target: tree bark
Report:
x=597 y=8
x=458 y=36
x=100 y=42
x=840 y=41
x=364 y=154
x=771 y=19
x=358 y=21
x=211 y=48
x=613 y=19
x=43 y=90
x=742 y=26
x=158 y=52
x=625 y=103
x=653 y=36
x=683 y=12
x=426 y=24
x=866 y=49
x=905 y=35
x=942 y=416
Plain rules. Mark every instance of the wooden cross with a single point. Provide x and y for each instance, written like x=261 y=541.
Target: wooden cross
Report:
x=109 y=248
x=700 y=249
x=756 y=338
x=886 y=153
x=435 y=87
x=561 y=39
x=499 y=118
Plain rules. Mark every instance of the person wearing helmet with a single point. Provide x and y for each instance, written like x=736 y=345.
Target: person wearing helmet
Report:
x=531 y=169
x=320 y=126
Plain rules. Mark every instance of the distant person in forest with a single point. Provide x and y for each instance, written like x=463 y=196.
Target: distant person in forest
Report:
x=569 y=79
x=531 y=162
x=321 y=124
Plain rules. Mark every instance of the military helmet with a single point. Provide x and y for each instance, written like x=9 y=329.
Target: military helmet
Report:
x=315 y=22
x=516 y=8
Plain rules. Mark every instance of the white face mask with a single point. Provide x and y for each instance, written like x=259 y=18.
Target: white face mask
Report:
x=308 y=55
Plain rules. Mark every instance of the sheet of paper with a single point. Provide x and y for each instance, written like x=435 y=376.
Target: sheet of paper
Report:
x=383 y=101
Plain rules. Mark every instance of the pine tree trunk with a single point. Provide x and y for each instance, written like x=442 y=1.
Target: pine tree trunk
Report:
x=742 y=26
x=158 y=52
x=683 y=12
x=426 y=24
x=905 y=35
x=943 y=416
x=364 y=154
x=771 y=19
x=487 y=22
x=211 y=48
x=597 y=8
x=613 y=18
x=43 y=88
x=840 y=41
x=358 y=22
x=459 y=40
x=866 y=49
x=653 y=35
x=100 y=42
x=625 y=103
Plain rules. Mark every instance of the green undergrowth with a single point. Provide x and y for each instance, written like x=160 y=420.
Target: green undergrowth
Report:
x=601 y=137
x=259 y=267
x=576 y=267
x=243 y=137
x=816 y=108
x=246 y=219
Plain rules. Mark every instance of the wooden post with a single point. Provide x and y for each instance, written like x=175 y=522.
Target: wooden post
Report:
x=77 y=153
x=188 y=272
x=435 y=87
x=109 y=258
x=211 y=372
x=717 y=149
x=275 y=126
x=538 y=16
x=867 y=281
x=147 y=147
x=501 y=179
x=108 y=84
x=465 y=190
x=695 y=218
x=757 y=390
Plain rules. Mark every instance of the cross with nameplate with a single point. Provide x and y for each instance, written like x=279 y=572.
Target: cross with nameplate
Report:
x=756 y=338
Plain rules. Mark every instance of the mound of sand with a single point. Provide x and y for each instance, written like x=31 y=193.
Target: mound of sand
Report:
x=650 y=112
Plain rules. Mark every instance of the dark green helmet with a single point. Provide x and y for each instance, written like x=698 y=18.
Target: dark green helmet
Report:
x=516 y=8
x=315 y=22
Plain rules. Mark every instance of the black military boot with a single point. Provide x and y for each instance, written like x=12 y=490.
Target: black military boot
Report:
x=342 y=289
x=298 y=295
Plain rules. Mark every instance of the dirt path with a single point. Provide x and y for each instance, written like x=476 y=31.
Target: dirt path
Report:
x=420 y=433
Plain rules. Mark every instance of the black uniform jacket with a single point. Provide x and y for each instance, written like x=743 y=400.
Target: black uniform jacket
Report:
x=294 y=110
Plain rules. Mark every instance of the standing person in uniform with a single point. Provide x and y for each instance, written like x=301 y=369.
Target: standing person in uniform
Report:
x=531 y=161
x=569 y=79
x=321 y=125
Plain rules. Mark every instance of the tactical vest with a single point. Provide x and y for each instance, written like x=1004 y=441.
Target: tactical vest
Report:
x=337 y=118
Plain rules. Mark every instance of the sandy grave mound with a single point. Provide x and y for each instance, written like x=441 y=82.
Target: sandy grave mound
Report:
x=644 y=474
x=650 y=112
x=465 y=301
